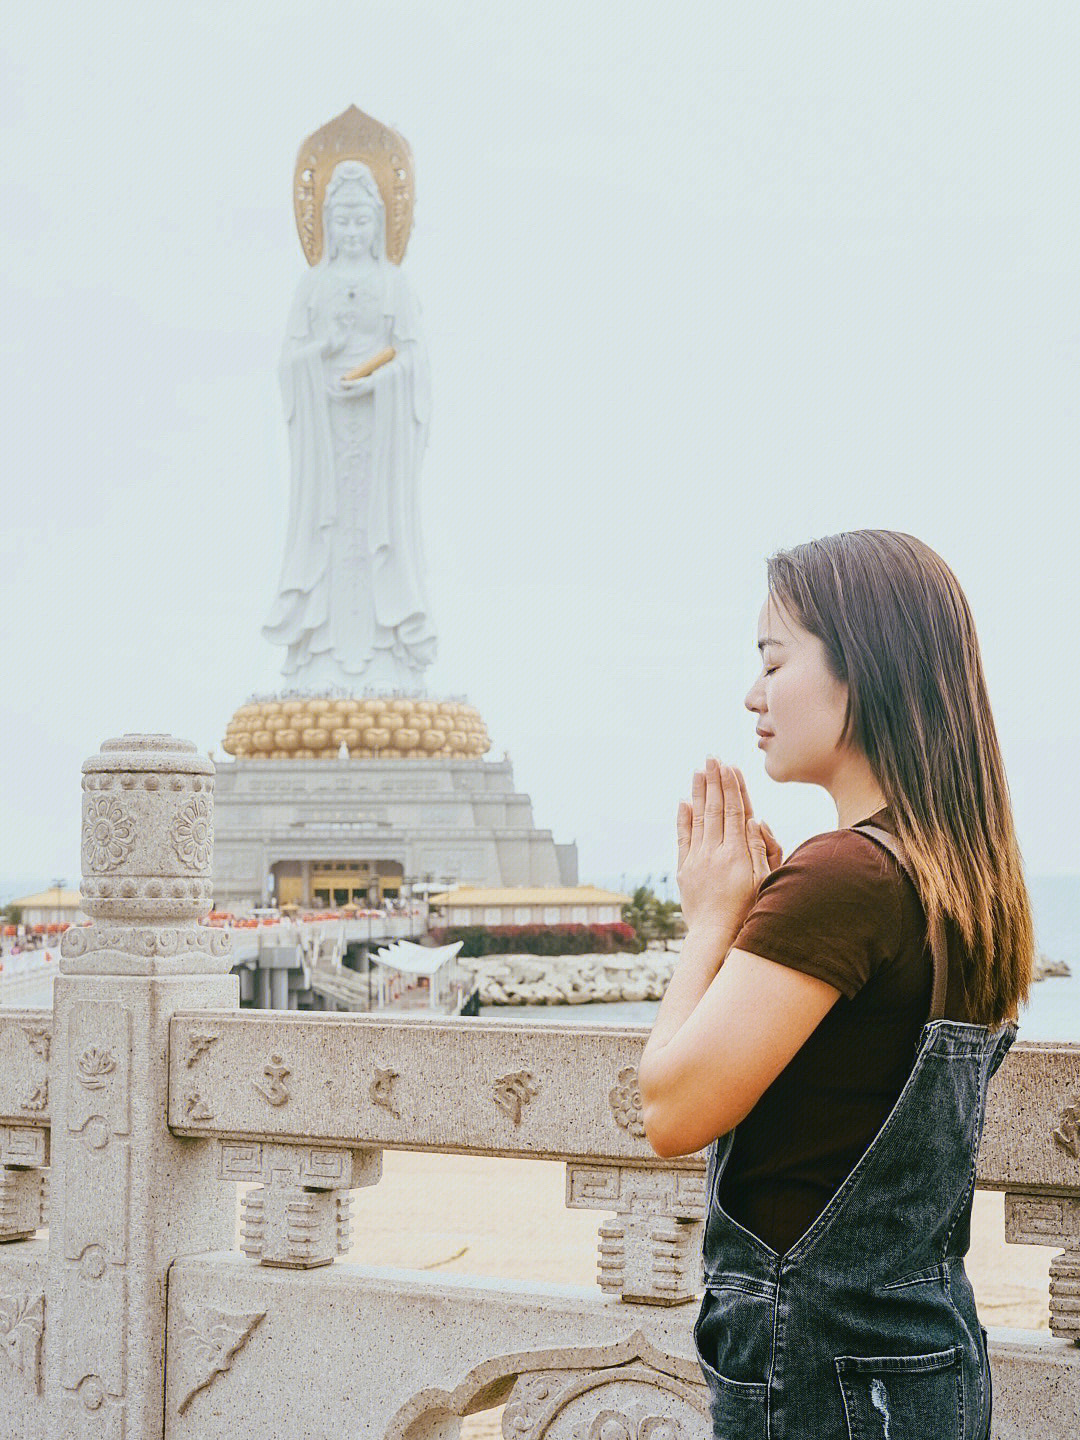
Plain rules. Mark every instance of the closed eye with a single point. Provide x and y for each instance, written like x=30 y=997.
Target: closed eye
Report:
x=771 y=668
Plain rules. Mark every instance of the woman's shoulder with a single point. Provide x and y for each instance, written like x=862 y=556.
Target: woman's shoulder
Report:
x=846 y=851
x=832 y=908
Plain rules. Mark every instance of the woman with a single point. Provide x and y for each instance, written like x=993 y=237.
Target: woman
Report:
x=351 y=598
x=835 y=1018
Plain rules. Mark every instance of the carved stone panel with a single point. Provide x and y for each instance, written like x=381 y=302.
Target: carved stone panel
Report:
x=25 y=1040
x=210 y=1339
x=22 y=1324
x=625 y=1402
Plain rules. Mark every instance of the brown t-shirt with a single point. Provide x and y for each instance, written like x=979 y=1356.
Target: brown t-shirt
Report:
x=841 y=908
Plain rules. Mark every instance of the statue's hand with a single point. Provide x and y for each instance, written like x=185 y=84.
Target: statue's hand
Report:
x=357 y=387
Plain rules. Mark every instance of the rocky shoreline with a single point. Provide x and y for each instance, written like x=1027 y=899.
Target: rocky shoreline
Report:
x=570 y=979
x=1045 y=967
x=586 y=979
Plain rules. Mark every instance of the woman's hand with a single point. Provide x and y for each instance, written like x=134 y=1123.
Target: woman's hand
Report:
x=724 y=853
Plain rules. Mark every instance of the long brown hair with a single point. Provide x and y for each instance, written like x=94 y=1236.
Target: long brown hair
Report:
x=898 y=630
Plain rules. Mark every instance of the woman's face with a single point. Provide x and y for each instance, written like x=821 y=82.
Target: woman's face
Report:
x=797 y=700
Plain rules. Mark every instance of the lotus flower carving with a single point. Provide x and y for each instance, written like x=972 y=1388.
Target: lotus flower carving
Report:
x=108 y=833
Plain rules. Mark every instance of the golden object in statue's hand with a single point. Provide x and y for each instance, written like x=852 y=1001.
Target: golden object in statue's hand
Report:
x=370 y=366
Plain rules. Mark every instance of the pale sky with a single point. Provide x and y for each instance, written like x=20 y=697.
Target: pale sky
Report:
x=698 y=281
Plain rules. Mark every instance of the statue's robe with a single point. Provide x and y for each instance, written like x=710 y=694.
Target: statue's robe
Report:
x=302 y=617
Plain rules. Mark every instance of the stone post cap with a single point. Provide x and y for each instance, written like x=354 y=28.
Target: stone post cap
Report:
x=147 y=831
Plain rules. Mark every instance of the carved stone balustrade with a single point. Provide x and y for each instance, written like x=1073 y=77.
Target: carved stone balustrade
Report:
x=1031 y=1150
x=146 y=1097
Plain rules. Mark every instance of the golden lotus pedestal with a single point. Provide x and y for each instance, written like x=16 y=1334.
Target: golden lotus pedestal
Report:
x=369 y=729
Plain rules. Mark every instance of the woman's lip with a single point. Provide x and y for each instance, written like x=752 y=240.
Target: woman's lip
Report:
x=763 y=737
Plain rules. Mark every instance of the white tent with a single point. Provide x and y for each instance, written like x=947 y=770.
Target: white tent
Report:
x=414 y=959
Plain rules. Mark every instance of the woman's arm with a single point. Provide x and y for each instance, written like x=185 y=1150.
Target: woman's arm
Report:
x=730 y=1021
x=749 y=1023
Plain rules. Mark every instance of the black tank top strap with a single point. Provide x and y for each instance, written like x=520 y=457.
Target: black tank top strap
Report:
x=936 y=931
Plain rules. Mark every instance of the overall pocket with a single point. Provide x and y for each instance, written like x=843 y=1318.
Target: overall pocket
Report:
x=726 y=1330
x=989 y=1385
x=903 y=1397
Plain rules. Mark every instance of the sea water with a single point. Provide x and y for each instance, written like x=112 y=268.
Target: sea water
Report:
x=1052 y=1012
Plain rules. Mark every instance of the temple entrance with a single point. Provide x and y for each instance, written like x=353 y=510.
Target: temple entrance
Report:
x=333 y=884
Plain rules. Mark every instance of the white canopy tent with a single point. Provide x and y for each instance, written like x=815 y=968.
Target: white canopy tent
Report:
x=407 y=958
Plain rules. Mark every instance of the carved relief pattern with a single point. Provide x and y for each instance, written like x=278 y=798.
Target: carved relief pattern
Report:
x=24 y=1147
x=108 y=833
x=625 y=1100
x=513 y=1091
x=38 y=1098
x=195 y=1108
x=129 y=888
x=94 y=1068
x=209 y=1342
x=149 y=941
x=275 y=1091
x=626 y=1402
x=198 y=1042
x=97 y=1170
x=1067 y=1134
x=650 y=1250
x=22 y=1324
x=380 y=1090
x=38 y=1037
x=192 y=833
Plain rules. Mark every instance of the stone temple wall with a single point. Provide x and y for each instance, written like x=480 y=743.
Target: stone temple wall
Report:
x=460 y=820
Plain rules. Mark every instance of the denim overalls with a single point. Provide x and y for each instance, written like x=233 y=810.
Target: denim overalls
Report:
x=866 y=1328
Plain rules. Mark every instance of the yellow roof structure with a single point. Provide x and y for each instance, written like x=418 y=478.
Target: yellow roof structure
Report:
x=47 y=900
x=525 y=895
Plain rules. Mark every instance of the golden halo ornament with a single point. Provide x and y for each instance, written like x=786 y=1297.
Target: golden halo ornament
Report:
x=352 y=135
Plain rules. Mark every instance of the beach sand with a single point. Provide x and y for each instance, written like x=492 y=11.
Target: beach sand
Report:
x=507 y=1218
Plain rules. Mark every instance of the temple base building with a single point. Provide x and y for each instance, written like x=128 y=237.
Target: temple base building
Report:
x=355 y=824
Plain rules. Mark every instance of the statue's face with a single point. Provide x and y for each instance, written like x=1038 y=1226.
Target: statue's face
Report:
x=354 y=229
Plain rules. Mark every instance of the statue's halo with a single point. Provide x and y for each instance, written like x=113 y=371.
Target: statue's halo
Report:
x=352 y=135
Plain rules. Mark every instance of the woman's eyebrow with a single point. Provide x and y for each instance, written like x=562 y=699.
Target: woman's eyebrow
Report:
x=769 y=641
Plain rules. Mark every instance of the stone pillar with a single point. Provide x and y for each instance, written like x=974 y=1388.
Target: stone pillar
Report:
x=126 y=1197
x=279 y=988
x=305 y=882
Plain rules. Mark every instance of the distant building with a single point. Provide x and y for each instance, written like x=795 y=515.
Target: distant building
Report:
x=522 y=905
x=359 y=831
x=51 y=907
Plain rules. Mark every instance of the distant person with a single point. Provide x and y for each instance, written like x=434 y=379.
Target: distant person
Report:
x=835 y=1018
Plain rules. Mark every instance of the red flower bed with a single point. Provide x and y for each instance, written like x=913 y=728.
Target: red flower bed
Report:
x=539 y=939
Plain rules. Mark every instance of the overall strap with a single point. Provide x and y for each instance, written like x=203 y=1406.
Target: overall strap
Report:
x=936 y=931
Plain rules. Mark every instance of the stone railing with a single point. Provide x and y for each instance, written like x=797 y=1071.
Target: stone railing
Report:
x=144 y=1092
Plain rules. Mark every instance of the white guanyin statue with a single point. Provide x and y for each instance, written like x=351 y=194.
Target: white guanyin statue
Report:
x=352 y=607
